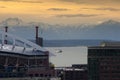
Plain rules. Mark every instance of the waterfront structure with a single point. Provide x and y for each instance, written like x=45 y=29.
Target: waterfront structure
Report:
x=104 y=62
x=22 y=58
x=80 y=66
x=76 y=72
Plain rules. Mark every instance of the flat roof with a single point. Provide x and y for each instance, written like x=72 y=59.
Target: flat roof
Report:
x=106 y=45
x=117 y=43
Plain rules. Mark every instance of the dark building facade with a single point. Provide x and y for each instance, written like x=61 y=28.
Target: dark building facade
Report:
x=23 y=65
x=76 y=72
x=104 y=63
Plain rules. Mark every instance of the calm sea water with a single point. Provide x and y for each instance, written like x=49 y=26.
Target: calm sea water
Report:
x=66 y=56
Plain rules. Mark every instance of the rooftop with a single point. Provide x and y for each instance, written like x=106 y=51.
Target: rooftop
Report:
x=19 y=45
x=107 y=45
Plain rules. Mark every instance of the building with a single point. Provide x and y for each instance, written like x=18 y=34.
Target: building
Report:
x=21 y=65
x=80 y=66
x=104 y=62
x=22 y=58
x=76 y=72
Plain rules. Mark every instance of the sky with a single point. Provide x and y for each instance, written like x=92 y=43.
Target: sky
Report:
x=60 y=11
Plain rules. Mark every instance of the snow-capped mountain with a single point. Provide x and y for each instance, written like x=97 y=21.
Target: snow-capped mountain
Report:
x=108 y=30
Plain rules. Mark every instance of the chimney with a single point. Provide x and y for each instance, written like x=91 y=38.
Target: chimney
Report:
x=36 y=33
x=6 y=30
x=39 y=40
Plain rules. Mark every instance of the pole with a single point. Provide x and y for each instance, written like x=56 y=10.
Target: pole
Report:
x=37 y=34
x=6 y=30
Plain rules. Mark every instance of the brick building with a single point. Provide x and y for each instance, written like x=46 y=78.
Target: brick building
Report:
x=104 y=62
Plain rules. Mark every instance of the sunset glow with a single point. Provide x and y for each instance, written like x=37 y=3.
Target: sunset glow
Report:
x=60 y=11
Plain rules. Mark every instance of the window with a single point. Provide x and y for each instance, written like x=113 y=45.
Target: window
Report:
x=41 y=75
x=31 y=75
x=36 y=75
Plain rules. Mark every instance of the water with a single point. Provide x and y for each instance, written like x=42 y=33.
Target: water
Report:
x=66 y=56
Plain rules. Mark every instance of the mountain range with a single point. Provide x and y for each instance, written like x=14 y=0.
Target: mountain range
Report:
x=107 y=30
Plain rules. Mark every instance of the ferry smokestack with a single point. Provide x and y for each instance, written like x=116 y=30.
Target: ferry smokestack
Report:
x=6 y=30
x=36 y=33
x=39 y=40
